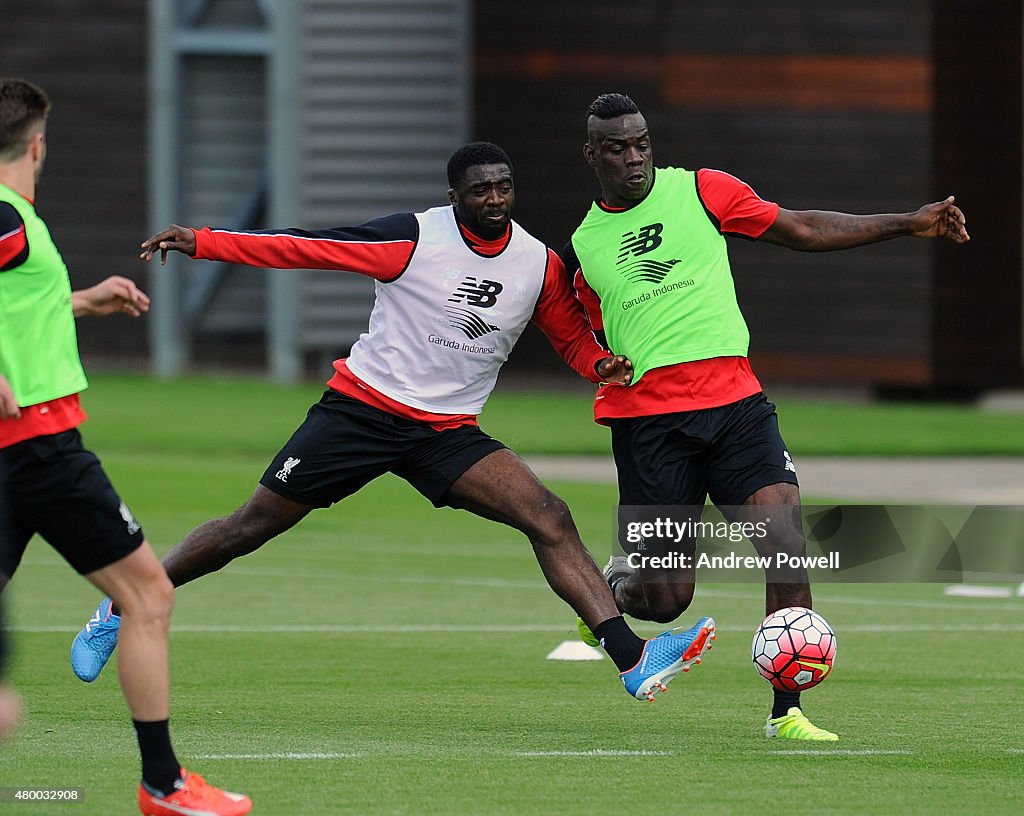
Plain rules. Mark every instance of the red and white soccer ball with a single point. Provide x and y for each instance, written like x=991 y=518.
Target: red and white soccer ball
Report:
x=794 y=648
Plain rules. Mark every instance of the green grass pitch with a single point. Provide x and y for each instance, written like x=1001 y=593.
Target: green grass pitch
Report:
x=387 y=658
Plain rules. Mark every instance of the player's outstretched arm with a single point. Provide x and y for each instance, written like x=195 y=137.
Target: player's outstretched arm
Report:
x=821 y=231
x=115 y=295
x=174 y=238
x=380 y=248
x=617 y=369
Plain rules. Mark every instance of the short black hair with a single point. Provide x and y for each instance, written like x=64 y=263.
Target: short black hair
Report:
x=612 y=106
x=473 y=155
x=22 y=106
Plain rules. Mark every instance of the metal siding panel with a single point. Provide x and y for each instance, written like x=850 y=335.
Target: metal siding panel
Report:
x=232 y=14
x=223 y=136
x=222 y=162
x=383 y=94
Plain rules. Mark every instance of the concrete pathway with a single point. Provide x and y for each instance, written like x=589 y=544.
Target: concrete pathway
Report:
x=939 y=480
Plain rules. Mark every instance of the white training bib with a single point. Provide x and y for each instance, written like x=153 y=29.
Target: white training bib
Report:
x=440 y=332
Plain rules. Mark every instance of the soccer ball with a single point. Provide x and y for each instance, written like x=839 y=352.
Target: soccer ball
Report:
x=794 y=649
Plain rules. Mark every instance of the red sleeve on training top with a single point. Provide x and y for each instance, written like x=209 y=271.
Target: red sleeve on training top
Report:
x=560 y=316
x=589 y=299
x=734 y=207
x=13 y=243
x=381 y=248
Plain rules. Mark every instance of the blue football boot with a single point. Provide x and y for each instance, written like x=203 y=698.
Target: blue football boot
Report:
x=93 y=646
x=667 y=655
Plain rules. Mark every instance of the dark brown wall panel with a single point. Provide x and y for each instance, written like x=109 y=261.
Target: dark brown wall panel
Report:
x=978 y=328
x=90 y=57
x=816 y=105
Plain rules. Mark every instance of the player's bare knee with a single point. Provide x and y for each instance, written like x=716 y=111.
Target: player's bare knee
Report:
x=149 y=598
x=550 y=521
x=666 y=611
x=667 y=603
x=251 y=526
x=239 y=534
x=162 y=594
x=791 y=543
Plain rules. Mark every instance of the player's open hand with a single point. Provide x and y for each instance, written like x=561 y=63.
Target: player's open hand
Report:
x=10 y=710
x=617 y=369
x=115 y=295
x=943 y=219
x=8 y=404
x=178 y=239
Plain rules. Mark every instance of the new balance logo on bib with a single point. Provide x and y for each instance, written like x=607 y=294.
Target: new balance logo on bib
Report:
x=643 y=240
x=485 y=293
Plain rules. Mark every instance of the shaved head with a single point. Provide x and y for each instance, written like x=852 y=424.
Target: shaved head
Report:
x=607 y=106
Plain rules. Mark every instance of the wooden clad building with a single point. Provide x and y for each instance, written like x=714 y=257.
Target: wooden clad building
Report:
x=867 y=107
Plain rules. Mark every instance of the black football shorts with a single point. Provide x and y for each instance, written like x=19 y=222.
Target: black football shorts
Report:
x=344 y=444
x=727 y=453
x=58 y=489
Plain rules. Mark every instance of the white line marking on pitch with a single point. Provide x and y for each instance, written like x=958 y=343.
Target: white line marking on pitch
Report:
x=977 y=591
x=318 y=755
x=1016 y=750
x=959 y=604
x=505 y=583
x=880 y=628
x=342 y=629
x=500 y=583
x=594 y=752
x=334 y=576
x=526 y=628
x=844 y=752
x=377 y=629
x=280 y=755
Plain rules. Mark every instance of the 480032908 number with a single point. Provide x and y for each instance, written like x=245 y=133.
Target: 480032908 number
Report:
x=41 y=794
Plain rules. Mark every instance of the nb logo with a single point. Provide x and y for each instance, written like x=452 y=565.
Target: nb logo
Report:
x=473 y=293
x=483 y=294
x=644 y=240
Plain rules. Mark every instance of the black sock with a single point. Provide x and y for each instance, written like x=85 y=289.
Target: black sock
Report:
x=160 y=768
x=784 y=701
x=623 y=645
